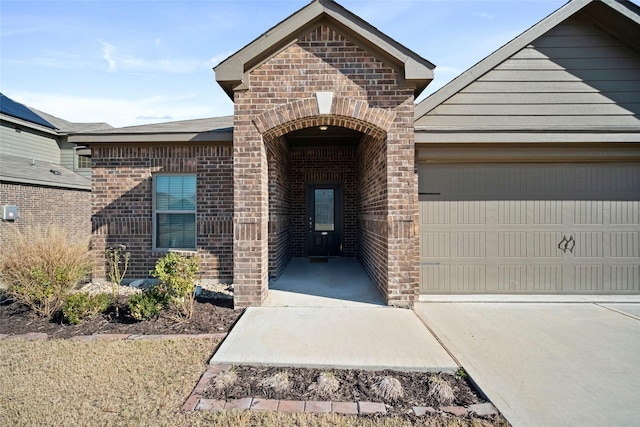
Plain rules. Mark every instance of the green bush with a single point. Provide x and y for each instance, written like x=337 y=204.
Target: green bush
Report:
x=147 y=305
x=82 y=305
x=42 y=265
x=176 y=276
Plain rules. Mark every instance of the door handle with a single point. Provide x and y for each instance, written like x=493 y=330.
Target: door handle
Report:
x=565 y=241
x=571 y=242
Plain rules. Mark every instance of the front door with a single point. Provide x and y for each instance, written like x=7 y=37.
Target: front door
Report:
x=324 y=209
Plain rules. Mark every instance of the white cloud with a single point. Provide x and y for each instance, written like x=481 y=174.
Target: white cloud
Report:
x=107 y=54
x=486 y=15
x=118 y=61
x=120 y=112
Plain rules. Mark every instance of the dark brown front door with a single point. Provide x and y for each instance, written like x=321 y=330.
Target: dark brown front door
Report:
x=324 y=209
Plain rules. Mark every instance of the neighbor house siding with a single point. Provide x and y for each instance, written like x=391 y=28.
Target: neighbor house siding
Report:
x=575 y=76
x=20 y=141
x=123 y=209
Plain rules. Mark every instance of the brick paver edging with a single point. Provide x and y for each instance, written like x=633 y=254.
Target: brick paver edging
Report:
x=195 y=402
x=34 y=336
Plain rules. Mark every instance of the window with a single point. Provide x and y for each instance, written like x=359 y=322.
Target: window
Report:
x=175 y=211
x=83 y=158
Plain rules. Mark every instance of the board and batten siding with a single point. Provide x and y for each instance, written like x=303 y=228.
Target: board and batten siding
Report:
x=574 y=76
x=27 y=144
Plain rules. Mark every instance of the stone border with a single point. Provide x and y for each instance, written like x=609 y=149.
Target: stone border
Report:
x=195 y=402
x=35 y=336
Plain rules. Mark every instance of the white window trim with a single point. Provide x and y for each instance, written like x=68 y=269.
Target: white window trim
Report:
x=155 y=247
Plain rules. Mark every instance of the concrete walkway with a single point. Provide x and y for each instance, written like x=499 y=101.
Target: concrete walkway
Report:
x=338 y=337
x=548 y=364
x=331 y=315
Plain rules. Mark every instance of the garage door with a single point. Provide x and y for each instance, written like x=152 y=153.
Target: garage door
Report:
x=530 y=228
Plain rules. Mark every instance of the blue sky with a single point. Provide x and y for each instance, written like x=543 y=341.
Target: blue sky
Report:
x=131 y=62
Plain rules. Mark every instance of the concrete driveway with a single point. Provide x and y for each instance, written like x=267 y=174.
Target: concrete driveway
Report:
x=547 y=364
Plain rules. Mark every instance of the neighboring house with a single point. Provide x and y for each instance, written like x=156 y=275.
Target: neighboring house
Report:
x=520 y=176
x=44 y=179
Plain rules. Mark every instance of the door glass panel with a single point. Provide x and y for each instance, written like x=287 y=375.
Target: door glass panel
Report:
x=324 y=209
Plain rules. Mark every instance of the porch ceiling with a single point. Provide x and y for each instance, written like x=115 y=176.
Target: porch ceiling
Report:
x=333 y=135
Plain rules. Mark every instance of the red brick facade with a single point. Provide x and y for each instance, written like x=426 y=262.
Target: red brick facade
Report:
x=251 y=195
x=380 y=206
x=122 y=195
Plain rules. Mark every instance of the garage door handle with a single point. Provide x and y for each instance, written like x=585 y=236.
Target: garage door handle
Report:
x=571 y=242
x=564 y=242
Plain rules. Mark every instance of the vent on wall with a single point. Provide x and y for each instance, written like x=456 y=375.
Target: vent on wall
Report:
x=9 y=213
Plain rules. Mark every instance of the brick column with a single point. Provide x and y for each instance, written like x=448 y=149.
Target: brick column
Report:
x=251 y=214
x=403 y=215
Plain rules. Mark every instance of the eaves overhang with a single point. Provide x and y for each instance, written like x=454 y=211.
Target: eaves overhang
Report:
x=221 y=136
x=232 y=73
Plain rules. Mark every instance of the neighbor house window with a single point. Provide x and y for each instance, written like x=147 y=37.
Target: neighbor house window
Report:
x=83 y=158
x=174 y=211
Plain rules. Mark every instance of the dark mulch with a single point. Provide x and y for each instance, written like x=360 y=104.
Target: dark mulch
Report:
x=355 y=385
x=210 y=316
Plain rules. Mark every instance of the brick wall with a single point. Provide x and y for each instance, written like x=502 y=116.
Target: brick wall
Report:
x=279 y=158
x=123 y=206
x=323 y=165
x=70 y=209
x=369 y=97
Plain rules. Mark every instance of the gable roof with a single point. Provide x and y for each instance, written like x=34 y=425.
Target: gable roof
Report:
x=627 y=30
x=66 y=126
x=19 y=111
x=232 y=73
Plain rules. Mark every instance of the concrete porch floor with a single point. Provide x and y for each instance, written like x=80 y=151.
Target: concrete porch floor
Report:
x=339 y=282
x=331 y=315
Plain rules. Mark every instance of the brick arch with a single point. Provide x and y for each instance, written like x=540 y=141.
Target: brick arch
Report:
x=345 y=112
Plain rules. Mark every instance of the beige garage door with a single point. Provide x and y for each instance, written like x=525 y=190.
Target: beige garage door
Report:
x=530 y=228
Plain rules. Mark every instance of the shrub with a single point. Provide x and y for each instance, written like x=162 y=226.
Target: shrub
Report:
x=41 y=265
x=176 y=276
x=147 y=305
x=389 y=388
x=441 y=390
x=82 y=305
x=325 y=386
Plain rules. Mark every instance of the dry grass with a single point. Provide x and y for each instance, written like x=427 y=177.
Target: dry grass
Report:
x=326 y=385
x=389 y=388
x=440 y=389
x=42 y=264
x=225 y=379
x=131 y=383
x=278 y=383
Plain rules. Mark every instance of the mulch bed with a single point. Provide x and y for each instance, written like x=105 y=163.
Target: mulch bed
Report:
x=210 y=316
x=354 y=386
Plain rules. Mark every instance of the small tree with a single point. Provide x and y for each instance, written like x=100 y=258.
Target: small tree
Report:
x=118 y=261
x=176 y=276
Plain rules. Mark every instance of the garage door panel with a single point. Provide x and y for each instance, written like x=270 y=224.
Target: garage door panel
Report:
x=625 y=212
x=625 y=244
x=436 y=244
x=545 y=244
x=547 y=212
x=512 y=212
x=589 y=278
x=530 y=228
x=625 y=278
x=547 y=278
x=512 y=244
x=512 y=278
x=588 y=244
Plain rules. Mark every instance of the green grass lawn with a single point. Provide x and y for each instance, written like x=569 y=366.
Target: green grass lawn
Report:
x=129 y=383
